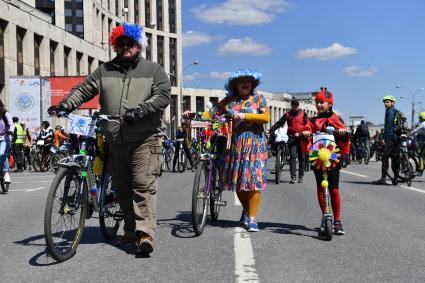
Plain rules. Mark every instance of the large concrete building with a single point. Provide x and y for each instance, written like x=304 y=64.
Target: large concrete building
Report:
x=71 y=38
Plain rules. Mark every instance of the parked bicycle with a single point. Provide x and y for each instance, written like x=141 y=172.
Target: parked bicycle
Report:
x=167 y=155
x=67 y=202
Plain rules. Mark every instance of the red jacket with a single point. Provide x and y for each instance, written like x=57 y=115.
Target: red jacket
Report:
x=321 y=121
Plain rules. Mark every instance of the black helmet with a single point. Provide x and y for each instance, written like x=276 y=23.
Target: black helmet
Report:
x=15 y=119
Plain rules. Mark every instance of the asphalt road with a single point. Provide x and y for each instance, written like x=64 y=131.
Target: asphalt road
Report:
x=384 y=239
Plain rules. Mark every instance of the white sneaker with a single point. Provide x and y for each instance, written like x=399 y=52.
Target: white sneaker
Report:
x=6 y=177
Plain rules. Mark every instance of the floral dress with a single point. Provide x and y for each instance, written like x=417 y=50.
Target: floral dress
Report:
x=245 y=163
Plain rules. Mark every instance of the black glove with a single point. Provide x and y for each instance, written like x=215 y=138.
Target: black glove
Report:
x=55 y=109
x=131 y=116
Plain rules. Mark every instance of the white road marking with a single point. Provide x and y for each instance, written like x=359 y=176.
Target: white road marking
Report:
x=355 y=174
x=413 y=189
x=237 y=202
x=47 y=181
x=244 y=257
x=35 y=189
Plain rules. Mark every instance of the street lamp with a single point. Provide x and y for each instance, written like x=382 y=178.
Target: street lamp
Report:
x=195 y=62
x=413 y=100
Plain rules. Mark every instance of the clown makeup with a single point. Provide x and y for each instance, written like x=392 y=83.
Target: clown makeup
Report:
x=322 y=106
x=244 y=86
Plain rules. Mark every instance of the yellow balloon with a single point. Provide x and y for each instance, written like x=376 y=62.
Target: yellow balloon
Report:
x=324 y=184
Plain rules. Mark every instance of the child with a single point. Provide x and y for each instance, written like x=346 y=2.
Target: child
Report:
x=325 y=118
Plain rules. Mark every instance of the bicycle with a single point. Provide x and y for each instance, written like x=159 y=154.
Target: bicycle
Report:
x=324 y=155
x=207 y=190
x=167 y=155
x=282 y=153
x=42 y=153
x=68 y=199
x=406 y=173
x=181 y=160
x=58 y=154
x=363 y=153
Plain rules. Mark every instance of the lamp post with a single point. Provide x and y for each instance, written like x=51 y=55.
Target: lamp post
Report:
x=195 y=62
x=413 y=100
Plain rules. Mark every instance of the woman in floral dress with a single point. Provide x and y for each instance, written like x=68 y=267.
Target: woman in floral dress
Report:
x=245 y=163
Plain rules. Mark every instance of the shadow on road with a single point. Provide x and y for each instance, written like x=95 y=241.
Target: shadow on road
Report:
x=289 y=229
x=361 y=183
x=181 y=225
x=91 y=235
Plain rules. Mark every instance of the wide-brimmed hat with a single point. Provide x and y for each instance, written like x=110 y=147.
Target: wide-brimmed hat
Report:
x=230 y=84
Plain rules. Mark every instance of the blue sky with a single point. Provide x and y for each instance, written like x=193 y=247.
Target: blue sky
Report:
x=359 y=49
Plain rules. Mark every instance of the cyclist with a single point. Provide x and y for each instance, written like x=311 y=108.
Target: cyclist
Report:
x=391 y=140
x=6 y=129
x=59 y=137
x=245 y=164
x=326 y=117
x=139 y=91
x=419 y=131
x=181 y=133
x=363 y=138
x=296 y=119
x=17 y=141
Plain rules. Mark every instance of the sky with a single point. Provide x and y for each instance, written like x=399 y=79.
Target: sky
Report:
x=359 y=49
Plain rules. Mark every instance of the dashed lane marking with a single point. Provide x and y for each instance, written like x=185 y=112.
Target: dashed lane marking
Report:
x=28 y=190
x=355 y=174
x=46 y=181
x=244 y=257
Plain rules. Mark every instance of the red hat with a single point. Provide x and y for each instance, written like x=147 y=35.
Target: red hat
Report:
x=325 y=95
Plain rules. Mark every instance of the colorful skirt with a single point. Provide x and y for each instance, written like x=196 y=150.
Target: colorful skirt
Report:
x=245 y=164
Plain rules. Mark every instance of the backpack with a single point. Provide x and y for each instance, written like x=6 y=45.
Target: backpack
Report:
x=364 y=130
x=400 y=123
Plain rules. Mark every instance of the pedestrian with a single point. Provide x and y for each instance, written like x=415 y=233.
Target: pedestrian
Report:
x=245 y=164
x=391 y=140
x=17 y=141
x=6 y=129
x=139 y=91
x=27 y=143
x=326 y=117
x=297 y=120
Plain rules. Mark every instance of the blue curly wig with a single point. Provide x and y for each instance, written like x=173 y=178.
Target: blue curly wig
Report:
x=230 y=83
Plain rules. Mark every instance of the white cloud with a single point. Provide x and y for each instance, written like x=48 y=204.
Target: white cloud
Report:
x=195 y=38
x=357 y=71
x=246 y=45
x=334 y=51
x=211 y=75
x=241 y=12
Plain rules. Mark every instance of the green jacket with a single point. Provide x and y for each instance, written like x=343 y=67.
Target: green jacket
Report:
x=143 y=84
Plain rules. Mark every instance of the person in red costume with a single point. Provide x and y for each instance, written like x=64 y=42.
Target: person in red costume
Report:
x=327 y=118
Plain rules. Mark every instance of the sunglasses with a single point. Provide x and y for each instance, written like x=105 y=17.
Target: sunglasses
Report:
x=122 y=44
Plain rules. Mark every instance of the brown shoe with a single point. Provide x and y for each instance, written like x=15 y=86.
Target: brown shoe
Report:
x=144 y=245
x=127 y=238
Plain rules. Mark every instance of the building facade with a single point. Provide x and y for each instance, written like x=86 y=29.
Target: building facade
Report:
x=71 y=37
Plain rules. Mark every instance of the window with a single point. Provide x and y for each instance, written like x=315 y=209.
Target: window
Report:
x=116 y=8
x=172 y=15
x=74 y=17
x=53 y=47
x=214 y=101
x=136 y=11
x=159 y=15
x=37 y=45
x=173 y=61
x=90 y=61
x=66 y=53
x=148 y=48
x=186 y=103
x=101 y=62
x=200 y=104
x=3 y=25
x=160 y=50
x=20 y=35
x=79 y=59
x=147 y=12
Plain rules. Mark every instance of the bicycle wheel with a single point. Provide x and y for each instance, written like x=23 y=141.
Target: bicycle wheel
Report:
x=200 y=199
x=366 y=158
x=278 y=167
x=4 y=186
x=406 y=170
x=54 y=161
x=110 y=214
x=181 y=161
x=328 y=229
x=216 y=197
x=64 y=215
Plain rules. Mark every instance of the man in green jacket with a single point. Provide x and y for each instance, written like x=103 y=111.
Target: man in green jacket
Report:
x=137 y=90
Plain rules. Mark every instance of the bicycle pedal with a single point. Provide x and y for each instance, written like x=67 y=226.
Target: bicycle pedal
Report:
x=221 y=202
